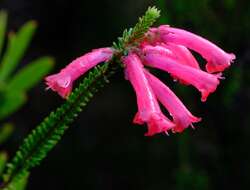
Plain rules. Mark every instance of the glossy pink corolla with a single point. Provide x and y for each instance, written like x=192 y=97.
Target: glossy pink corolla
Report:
x=206 y=83
x=217 y=59
x=182 y=117
x=63 y=81
x=164 y=48
x=148 y=108
x=183 y=55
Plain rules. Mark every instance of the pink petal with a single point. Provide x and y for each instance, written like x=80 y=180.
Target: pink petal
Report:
x=182 y=117
x=177 y=52
x=158 y=123
x=160 y=49
x=217 y=59
x=60 y=83
x=63 y=81
x=206 y=83
x=82 y=64
x=183 y=55
x=148 y=108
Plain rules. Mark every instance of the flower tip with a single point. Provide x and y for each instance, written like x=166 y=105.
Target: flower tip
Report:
x=60 y=84
x=181 y=126
x=204 y=97
x=177 y=130
x=206 y=93
x=196 y=119
x=159 y=124
x=137 y=119
x=232 y=56
x=211 y=67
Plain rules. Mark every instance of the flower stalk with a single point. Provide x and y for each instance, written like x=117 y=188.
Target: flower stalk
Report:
x=45 y=136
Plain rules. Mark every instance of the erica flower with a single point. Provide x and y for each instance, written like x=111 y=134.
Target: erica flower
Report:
x=217 y=59
x=206 y=83
x=164 y=48
x=182 y=117
x=63 y=81
x=148 y=109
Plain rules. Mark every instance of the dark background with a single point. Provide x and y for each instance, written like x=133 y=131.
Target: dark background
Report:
x=103 y=149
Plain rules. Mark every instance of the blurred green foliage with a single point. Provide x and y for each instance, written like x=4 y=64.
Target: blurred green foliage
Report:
x=13 y=87
x=15 y=84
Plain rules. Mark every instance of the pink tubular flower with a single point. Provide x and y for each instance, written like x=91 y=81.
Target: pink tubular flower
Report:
x=206 y=83
x=184 y=56
x=176 y=52
x=217 y=59
x=148 y=107
x=164 y=48
x=182 y=117
x=63 y=81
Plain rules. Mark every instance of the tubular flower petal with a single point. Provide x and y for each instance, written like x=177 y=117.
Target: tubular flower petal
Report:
x=160 y=49
x=63 y=81
x=148 y=108
x=206 y=83
x=183 y=55
x=217 y=59
x=177 y=52
x=182 y=117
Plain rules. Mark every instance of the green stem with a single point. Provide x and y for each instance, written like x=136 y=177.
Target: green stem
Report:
x=56 y=124
x=44 y=137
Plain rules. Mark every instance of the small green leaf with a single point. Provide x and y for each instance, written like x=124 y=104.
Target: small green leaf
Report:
x=12 y=101
x=16 y=47
x=6 y=131
x=31 y=74
x=3 y=23
x=19 y=183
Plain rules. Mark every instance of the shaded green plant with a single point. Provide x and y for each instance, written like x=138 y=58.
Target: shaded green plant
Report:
x=44 y=137
x=14 y=86
x=14 y=83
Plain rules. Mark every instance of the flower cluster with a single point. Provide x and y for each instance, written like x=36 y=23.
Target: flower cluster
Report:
x=165 y=48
